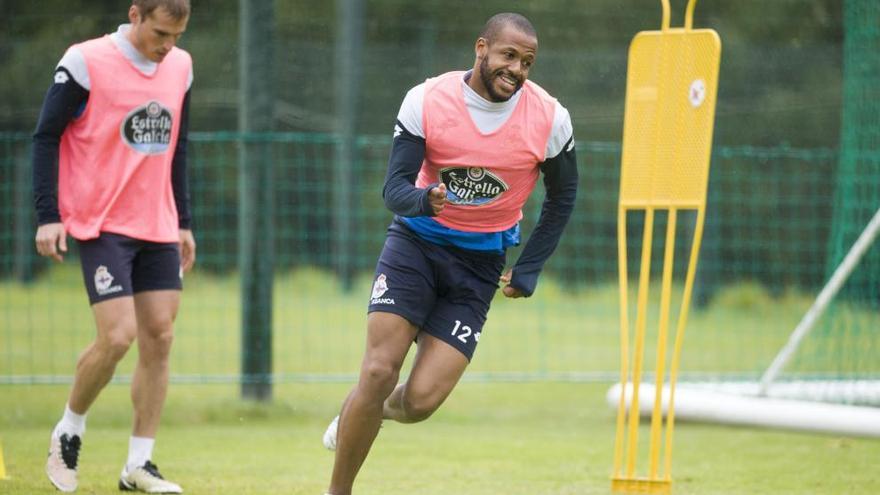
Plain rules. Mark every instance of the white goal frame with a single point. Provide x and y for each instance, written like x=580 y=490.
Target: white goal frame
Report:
x=790 y=404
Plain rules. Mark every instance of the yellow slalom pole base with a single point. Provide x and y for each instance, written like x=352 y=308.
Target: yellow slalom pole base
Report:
x=641 y=485
x=2 y=465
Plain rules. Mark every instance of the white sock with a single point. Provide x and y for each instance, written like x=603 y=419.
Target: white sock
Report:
x=140 y=450
x=71 y=423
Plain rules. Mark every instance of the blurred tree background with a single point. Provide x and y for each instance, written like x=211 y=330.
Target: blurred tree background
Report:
x=795 y=170
x=781 y=60
x=776 y=133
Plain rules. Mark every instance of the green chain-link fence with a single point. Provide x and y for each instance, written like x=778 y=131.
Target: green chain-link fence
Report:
x=764 y=253
x=784 y=205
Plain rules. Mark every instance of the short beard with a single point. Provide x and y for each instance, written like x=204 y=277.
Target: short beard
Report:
x=486 y=78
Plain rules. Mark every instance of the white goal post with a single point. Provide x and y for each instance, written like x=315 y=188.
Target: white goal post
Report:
x=828 y=292
x=789 y=404
x=701 y=403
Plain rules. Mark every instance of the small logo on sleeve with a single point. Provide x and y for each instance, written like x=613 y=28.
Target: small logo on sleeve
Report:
x=104 y=282
x=61 y=77
x=147 y=128
x=380 y=286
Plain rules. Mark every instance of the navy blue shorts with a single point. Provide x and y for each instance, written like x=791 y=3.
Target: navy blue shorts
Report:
x=443 y=290
x=115 y=265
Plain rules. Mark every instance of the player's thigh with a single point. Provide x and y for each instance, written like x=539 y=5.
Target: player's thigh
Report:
x=115 y=322
x=389 y=337
x=459 y=325
x=156 y=281
x=156 y=311
x=437 y=368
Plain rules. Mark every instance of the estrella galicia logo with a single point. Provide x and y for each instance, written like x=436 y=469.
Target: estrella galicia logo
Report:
x=147 y=128
x=471 y=185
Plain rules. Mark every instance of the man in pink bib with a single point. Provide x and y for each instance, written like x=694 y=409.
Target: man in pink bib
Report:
x=467 y=151
x=109 y=161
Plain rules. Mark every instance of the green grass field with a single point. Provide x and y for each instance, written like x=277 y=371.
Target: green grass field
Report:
x=529 y=419
x=488 y=439
x=319 y=329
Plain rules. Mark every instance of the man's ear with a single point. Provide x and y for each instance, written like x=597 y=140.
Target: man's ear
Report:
x=481 y=47
x=134 y=14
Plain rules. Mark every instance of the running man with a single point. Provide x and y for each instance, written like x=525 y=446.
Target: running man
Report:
x=109 y=160
x=467 y=151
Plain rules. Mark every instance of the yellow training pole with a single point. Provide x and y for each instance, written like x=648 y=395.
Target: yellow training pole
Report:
x=666 y=291
x=639 y=342
x=664 y=22
x=689 y=15
x=672 y=80
x=2 y=465
x=679 y=336
x=624 y=339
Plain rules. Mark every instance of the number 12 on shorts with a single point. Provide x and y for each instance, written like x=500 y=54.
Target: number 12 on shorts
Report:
x=465 y=332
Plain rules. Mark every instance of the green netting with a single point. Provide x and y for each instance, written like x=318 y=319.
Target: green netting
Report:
x=783 y=206
x=754 y=281
x=847 y=341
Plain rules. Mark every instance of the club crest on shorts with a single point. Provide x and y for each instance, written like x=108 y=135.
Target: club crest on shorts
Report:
x=380 y=286
x=104 y=282
x=147 y=128
x=472 y=185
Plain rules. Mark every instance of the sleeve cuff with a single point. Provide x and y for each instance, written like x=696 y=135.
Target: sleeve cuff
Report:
x=524 y=283
x=426 y=200
x=49 y=218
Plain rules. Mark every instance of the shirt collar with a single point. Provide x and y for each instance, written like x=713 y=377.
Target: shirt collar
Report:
x=120 y=39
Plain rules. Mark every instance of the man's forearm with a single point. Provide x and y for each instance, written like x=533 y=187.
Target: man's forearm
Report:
x=400 y=194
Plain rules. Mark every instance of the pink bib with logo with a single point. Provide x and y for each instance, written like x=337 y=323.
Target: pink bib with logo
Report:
x=114 y=170
x=490 y=176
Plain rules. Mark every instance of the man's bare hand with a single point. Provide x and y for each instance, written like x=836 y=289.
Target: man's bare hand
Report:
x=509 y=290
x=437 y=197
x=187 y=249
x=51 y=241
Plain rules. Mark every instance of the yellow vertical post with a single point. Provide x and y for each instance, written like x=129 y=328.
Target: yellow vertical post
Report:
x=2 y=464
x=624 y=340
x=639 y=340
x=672 y=81
x=665 y=292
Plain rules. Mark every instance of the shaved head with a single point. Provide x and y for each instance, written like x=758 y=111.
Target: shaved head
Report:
x=498 y=22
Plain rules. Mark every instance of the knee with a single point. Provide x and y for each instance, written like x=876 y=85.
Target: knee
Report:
x=156 y=342
x=419 y=406
x=379 y=376
x=115 y=344
x=161 y=341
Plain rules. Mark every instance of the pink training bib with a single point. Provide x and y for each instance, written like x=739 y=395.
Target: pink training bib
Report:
x=490 y=176
x=114 y=170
